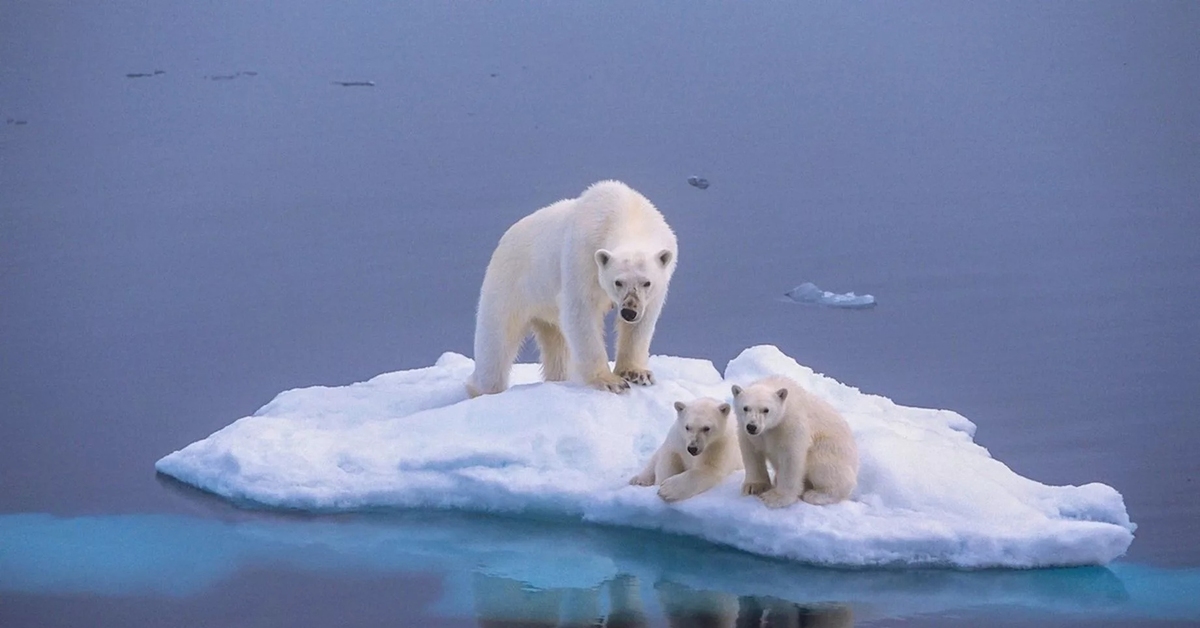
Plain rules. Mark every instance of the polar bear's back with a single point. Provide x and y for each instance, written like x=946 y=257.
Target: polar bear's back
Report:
x=611 y=212
x=821 y=418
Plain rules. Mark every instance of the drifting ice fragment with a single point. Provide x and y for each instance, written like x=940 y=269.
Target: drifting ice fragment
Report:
x=809 y=293
x=927 y=494
x=699 y=182
x=355 y=83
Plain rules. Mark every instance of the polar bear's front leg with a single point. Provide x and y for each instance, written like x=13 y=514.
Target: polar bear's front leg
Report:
x=789 y=466
x=584 y=331
x=757 y=481
x=633 y=348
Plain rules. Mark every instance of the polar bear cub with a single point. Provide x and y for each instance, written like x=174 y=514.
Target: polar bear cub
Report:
x=557 y=271
x=807 y=442
x=699 y=451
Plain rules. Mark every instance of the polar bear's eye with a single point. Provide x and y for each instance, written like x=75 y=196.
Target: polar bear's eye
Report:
x=620 y=284
x=645 y=284
x=745 y=408
x=706 y=429
x=687 y=427
x=766 y=411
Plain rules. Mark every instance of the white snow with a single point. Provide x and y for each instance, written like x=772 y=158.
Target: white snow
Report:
x=927 y=495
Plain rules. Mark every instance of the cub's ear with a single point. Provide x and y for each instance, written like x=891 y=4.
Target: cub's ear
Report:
x=664 y=257
x=603 y=257
x=781 y=393
x=679 y=406
x=724 y=408
x=737 y=390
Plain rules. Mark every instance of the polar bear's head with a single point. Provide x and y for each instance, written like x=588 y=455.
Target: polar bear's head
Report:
x=703 y=421
x=634 y=279
x=759 y=407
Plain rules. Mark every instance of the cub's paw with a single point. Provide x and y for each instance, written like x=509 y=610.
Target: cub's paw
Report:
x=674 y=489
x=818 y=498
x=611 y=383
x=755 y=488
x=637 y=377
x=642 y=480
x=776 y=499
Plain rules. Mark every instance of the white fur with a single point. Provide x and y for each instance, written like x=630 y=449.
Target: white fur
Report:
x=554 y=274
x=703 y=426
x=809 y=445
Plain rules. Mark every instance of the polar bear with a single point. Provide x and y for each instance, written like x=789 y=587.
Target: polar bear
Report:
x=807 y=442
x=699 y=451
x=557 y=271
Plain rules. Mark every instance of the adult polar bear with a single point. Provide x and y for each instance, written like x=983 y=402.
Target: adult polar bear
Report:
x=557 y=271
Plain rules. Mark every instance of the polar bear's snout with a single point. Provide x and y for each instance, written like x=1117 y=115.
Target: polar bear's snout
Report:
x=631 y=308
x=751 y=428
x=694 y=449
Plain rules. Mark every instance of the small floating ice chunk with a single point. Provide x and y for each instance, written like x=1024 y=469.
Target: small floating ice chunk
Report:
x=355 y=83
x=698 y=182
x=229 y=77
x=809 y=293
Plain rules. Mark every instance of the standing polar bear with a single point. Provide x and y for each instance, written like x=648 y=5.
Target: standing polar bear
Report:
x=807 y=442
x=557 y=271
x=699 y=451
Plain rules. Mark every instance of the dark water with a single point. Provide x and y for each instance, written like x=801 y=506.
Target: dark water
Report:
x=1017 y=184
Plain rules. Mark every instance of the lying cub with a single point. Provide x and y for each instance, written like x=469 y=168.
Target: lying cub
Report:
x=699 y=451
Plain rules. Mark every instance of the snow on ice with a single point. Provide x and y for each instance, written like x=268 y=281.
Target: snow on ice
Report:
x=927 y=495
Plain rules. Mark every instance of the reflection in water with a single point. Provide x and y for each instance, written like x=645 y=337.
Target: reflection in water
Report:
x=506 y=603
x=774 y=613
x=523 y=573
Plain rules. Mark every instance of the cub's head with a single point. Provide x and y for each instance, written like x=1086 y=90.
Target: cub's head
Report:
x=703 y=421
x=759 y=407
x=633 y=279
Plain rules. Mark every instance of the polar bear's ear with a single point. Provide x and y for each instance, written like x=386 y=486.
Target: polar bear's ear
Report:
x=603 y=257
x=679 y=406
x=737 y=390
x=724 y=409
x=781 y=393
x=664 y=257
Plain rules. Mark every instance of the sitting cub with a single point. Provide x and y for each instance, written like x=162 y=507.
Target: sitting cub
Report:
x=697 y=454
x=807 y=442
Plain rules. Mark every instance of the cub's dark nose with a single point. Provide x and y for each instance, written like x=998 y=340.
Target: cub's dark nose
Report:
x=752 y=428
x=628 y=314
x=692 y=449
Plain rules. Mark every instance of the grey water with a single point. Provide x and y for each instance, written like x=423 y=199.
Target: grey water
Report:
x=204 y=204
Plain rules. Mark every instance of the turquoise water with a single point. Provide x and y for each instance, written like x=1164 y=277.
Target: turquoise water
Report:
x=500 y=568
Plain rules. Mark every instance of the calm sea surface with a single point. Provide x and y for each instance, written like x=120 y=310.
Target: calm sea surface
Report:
x=1018 y=184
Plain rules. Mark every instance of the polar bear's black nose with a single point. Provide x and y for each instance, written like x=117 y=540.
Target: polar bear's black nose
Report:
x=628 y=314
x=752 y=428
x=694 y=450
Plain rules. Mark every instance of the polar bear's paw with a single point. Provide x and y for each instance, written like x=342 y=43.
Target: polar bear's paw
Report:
x=611 y=383
x=775 y=498
x=637 y=377
x=755 y=488
x=818 y=498
x=676 y=488
x=642 y=479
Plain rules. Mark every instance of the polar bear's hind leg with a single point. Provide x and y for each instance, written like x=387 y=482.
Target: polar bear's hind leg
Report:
x=496 y=349
x=553 y=348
